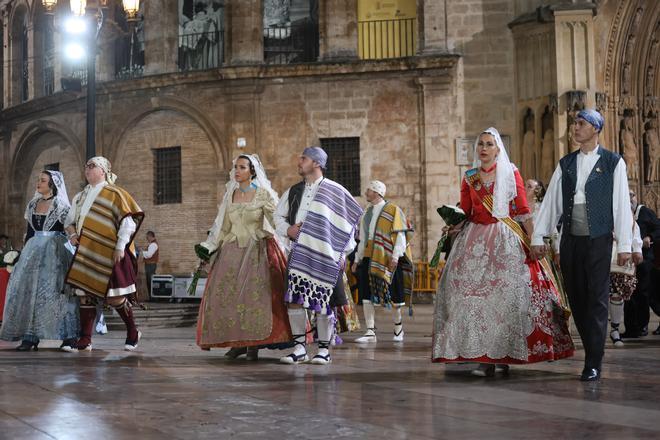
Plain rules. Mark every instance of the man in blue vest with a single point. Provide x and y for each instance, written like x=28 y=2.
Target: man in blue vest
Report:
x=589 y=193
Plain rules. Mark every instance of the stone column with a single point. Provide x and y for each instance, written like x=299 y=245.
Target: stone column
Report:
x=338 y=23
x=575 y=63
x=244 y=32
x=431 y=27
x=440 y=176
x=161 y=45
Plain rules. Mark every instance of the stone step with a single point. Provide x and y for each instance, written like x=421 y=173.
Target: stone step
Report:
x=158 y=315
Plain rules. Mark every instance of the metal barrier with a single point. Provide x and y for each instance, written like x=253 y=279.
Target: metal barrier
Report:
x=426 y=278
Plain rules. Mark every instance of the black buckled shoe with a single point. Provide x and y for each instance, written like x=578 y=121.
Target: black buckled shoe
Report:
x=28 y=346
x=590 y=375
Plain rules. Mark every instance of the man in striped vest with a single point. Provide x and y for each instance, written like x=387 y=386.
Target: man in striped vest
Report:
x=383 y=261
x=102 y=223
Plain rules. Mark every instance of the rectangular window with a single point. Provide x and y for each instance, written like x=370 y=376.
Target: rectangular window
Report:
x=344 y=162
x=167 y=175
x=52 y=167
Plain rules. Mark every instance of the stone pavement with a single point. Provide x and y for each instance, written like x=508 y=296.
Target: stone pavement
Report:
x=169 y=389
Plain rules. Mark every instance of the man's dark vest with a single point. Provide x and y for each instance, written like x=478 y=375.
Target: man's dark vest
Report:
x=599 y=190
x=295 y=196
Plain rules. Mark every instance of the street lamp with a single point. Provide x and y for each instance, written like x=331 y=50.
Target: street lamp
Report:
x=90 y=12
x=77 y=7
x=131 y=7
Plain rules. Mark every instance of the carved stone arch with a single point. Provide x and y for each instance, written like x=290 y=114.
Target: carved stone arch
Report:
x=179 y=106
x=42 y=142
x=632 y=84
x=37 y=129
x=17 y=7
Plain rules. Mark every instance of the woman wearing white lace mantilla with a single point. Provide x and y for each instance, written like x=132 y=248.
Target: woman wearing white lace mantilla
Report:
x=243 y=305
x=37 y=305
x=495 y=305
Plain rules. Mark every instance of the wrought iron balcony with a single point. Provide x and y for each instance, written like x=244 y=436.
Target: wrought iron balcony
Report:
x=201 y=51
x=296 y=43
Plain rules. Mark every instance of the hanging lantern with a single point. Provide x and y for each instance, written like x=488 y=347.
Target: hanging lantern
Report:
x=131 y=7
x=78 y=7
x=49 y=5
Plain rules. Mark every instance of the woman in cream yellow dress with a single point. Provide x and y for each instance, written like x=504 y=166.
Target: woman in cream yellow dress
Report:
x=243 y=306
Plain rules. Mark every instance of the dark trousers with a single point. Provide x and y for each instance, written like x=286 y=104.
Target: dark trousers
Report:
x=396 y=288
x=585 y=266
x=149 y=271
x=636 y=310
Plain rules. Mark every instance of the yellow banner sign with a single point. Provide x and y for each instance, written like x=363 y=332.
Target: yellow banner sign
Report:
x=374 y=10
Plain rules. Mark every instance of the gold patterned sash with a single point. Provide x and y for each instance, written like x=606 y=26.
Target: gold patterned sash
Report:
x=548 y=267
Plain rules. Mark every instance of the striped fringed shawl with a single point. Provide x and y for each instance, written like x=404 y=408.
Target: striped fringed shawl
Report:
x=390 y=222
x=92 y=263
x=317 y=255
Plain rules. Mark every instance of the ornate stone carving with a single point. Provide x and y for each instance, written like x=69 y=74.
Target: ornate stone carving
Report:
x=575 y=101
x=601 y=102
x=652 y=149
x=628 y=143
x=630 y=47
x=553 y=101
x=625 y=78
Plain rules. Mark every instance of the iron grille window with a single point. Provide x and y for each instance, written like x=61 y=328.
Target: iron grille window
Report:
x=52 y=166
x=167 y=175
x=344 y=162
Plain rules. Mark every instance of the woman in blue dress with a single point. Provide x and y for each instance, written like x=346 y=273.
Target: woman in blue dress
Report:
x=37 y=304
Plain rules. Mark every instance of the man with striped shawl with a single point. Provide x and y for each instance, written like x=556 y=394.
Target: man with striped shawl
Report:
x=102 y=223
x=383 y=261
x=317 y=218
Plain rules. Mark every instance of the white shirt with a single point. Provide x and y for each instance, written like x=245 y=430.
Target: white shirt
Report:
x=399 y=244
x=126 y=229
x=637 y=242
x=282 y=211
x=151 y=250
x=552 y=206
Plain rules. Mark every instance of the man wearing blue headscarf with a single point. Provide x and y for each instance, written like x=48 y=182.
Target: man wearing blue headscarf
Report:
x=316 y=219
x=589 y=193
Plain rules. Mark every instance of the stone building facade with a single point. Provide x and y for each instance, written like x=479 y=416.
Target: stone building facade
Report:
x=407 y=112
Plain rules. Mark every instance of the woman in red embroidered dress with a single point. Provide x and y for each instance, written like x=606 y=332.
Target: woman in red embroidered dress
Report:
x=495 y=305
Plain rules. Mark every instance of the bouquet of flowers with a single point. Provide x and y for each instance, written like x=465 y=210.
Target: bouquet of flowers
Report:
x=204 y=258
x=452 y=215
x=10 y=259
